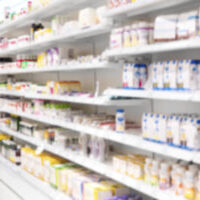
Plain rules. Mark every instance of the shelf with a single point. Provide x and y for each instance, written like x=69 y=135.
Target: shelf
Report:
x=21 y=176
x=165 y=47
x=59 y=40
x=67 y=68
x=106 y=170
x=133 y=139
x=188 y=96
x=54 y=8
x=98 y=101
x=144 y=7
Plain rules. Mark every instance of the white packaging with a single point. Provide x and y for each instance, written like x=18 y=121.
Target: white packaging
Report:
x=156 y=127
x=193 y=137
x=130 y=75
x=101 y=14
x=136 y=76
x=127 y=37
x=143 y=75
x=184 y=132
x=87 y=17
x=143 y=33
x=169 y=129
x=134 y=35
x=176 y=121
x=157 y=75
x=125 y=75
x=194 y=77
x=187 y=25
x=150 y=125
x=116 y=40
x=163 y=127
x=120 y=121
x=170 y=68
x=145 y=127
x=165 y=28
x=184 y=74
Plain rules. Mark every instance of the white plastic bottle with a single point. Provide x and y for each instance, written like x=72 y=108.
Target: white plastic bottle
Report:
x=120 y=121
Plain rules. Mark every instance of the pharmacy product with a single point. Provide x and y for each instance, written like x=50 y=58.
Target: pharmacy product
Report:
x=120 y=121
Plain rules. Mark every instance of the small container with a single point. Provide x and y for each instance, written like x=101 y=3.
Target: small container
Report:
x=147 y=170
x=143 y=33
x=155 y=173
x=164 y=176
x=127 y=37
x=134 y=35
x=116 y=39
x=120 y=121
x=189 y=185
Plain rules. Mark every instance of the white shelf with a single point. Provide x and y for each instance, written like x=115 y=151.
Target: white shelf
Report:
x=98 y=101
x=104 y=169
x=67 y=68
x=145 y=7
x=165 y=47
x=59 y=40
x=43 y=187
x=150 y=94
x=133 y=139
x=55 y=7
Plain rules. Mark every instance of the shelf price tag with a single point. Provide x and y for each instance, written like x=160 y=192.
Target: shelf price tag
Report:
x=39 y=149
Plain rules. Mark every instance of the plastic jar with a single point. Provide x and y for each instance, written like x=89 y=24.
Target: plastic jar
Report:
x=116 y=41
x=143 y=33
x=120 y=121
x=127 y=37
x=134 y=35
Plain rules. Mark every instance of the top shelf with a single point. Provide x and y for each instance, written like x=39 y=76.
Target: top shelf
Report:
x=54 y=8
x=144 y=7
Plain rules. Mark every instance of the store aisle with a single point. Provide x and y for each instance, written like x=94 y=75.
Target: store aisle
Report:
x=14 y=187
x=7 y=193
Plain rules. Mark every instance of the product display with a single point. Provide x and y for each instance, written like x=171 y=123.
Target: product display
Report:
x=180 y=177
x=176 y=27
x=164 y=75
x=177 y=130
x=61 y=174
x=99 y=99
x=52 y=58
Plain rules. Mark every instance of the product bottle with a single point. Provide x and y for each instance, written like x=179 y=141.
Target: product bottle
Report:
x=120 y=121
x=189 y=185
x=147 y=170
x=164 y=176
x=178 y=180
x=155 y=173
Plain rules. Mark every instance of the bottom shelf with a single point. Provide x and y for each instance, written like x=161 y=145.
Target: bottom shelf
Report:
x=17 y=179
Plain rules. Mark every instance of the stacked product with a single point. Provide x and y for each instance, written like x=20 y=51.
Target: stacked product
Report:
x=64 y=113
x=63 y=175
x=181 y=131
x=88 y=17
x=181 y=178
x=163 y=75
x=134 y=76
x=177 y=27
x=51 y=58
